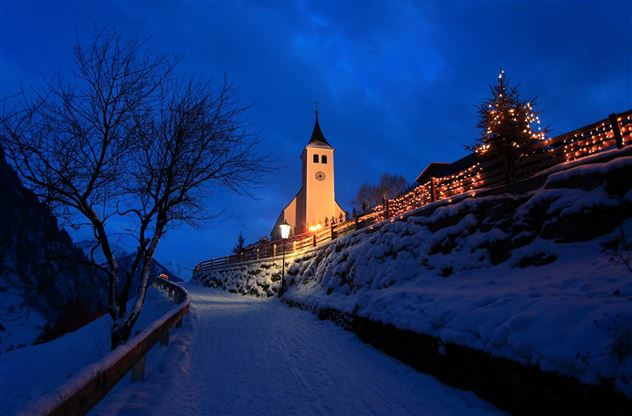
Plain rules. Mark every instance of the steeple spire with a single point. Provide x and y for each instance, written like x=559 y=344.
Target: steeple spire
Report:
x=317 y=134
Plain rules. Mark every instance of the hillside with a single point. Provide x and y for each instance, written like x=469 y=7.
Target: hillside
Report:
x=542 y=278
x=125 y=259
x=40 y=270
x=29 y=373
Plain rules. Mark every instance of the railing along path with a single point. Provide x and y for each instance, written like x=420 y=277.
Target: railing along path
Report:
x=614 y=132
x=83 y=391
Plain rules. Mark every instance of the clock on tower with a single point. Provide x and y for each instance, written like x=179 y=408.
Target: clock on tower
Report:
x=316 y=200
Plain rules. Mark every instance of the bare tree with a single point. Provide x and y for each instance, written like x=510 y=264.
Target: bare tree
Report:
x=126 y=140
x=370 y=195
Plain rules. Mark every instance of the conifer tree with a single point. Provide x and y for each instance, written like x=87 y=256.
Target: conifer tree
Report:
x=510 y=127
x=239 y=247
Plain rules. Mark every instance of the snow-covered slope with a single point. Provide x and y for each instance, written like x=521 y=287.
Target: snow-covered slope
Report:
x=542 y=278
x=26 y=374
x=125 y=257
x=20 y=324
x=41 y=272
x=181 y=271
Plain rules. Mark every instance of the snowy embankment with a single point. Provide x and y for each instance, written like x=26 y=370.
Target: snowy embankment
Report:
x=541 y=278
x=20 y=324
x=29 y=373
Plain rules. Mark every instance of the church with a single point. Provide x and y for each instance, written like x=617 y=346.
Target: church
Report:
x=316 y=200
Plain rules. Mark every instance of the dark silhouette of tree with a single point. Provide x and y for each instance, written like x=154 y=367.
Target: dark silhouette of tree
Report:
x=510 y=127
x=125 y=139
x=262 y=241
x=370 y=195
x=240 y=246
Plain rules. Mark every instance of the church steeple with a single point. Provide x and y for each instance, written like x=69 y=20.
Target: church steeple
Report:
x=317 y=134
x=316 y=202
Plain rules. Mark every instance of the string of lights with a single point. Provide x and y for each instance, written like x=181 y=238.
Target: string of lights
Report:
x=579 y=144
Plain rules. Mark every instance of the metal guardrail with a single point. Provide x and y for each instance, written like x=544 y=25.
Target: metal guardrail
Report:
x=82 y=392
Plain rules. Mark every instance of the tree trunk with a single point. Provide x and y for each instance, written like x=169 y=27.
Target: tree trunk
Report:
x=122 y=327
x=120 y=333
x=509 y=167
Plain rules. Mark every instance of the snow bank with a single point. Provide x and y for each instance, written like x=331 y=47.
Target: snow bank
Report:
x=34 y=371
x=19 y=324
x=541 y=278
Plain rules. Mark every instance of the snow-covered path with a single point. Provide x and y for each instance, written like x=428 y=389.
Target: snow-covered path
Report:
x=238 y=355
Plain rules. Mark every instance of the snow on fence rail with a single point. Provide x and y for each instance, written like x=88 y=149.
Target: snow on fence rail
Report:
x=83 y=391
x=610 y=133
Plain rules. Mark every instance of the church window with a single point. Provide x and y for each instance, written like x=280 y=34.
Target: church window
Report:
x=323 y=159
x=315 y=158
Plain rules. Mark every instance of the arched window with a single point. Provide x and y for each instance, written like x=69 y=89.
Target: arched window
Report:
x=315 y=158
x=323 y=159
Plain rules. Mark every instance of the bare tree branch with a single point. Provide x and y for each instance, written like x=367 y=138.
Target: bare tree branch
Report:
x=125 y=139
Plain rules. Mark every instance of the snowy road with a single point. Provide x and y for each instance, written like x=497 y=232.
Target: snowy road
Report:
x=239 y=355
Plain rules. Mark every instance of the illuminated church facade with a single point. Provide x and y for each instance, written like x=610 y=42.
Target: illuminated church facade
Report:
x=316 y=200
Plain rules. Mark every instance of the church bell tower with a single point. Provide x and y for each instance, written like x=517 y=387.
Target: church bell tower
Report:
x=317 y=180
x=316 y=200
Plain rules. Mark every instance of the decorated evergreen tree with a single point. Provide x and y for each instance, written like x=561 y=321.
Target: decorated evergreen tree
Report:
x=510 y=127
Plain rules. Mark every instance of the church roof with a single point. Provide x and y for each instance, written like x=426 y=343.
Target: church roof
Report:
x=317 y=135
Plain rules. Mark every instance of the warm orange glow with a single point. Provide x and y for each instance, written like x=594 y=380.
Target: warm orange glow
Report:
x=316 y=227
x=571 y=146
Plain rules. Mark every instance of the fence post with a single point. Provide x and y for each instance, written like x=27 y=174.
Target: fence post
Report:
x=616 y=130
x=314 y=240
x=138 y=371
x=433 y=189
x=241 y=256
x=257 y=253
x=274 y=250
x=333 y=232
x=294 y=246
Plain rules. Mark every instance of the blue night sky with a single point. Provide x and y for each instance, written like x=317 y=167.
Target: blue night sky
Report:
x=397 y=82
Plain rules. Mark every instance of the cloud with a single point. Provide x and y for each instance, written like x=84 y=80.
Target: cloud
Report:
x=397 y=81
x=371 y=70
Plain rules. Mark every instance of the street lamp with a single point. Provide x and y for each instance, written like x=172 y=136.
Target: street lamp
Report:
x=285 y=233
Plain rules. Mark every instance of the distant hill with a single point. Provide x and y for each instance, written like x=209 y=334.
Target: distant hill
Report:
x=87 y=245
x=41 y=271
x=181 y=271
x=125 y=258
x=156 y=268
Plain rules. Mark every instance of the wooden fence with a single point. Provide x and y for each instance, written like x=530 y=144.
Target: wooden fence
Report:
x=82 y=392
x=614 y=132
